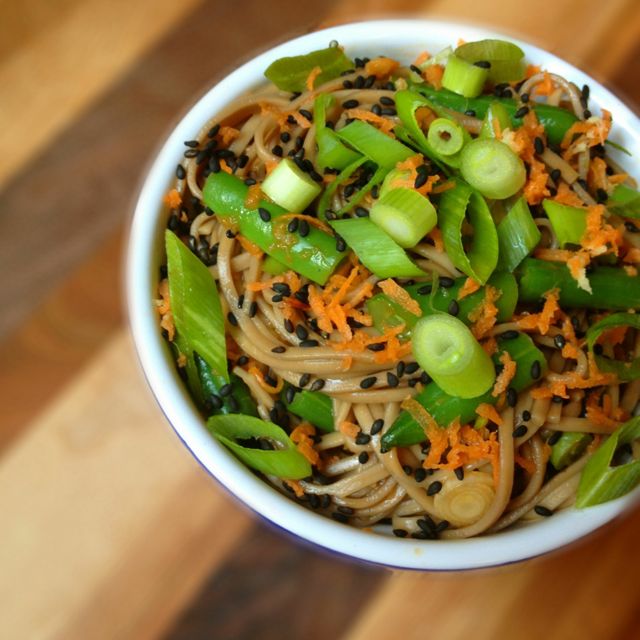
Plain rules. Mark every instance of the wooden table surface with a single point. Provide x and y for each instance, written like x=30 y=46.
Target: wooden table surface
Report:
x=109 y=527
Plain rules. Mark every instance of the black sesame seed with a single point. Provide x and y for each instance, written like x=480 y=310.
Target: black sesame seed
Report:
x=420 y=180
x=279 y=349
x=277 y=151
x=232 y=319
x=302 y=332
x=413 y=382
x=412 y=367
x=341 y=245
x=240 y=300
x=250 y=182
x=282 y=287
x=376 y=346
x=388 y=111
x=420 y=474
x=459 y=471
x=270 y=380
x=265 y=216
x=215 y=401
x=376 y=426
x=453 y=308
x=340 y=517
x=512 y=397
x=392 y=379
x=363 y=457
x=181 y=174
x=559 y=341
x=305 y=379
x=520 y=431
x=587 y=114
x=483 y=64
x=509 y=335
x=292 y=227
x=521 y=112
x=253 y=309
x=376 y=109
x=386 y=100
x=557 y=399
x=303 y=228
x=542 y=511
x=446 y=282
x=536 y=370
x=408 y=469
x=307 y=114
x=309 y=343
x=631 y=227
x=225 y=390
x=442 y=526
x=359 y=82
x=190 y=153
x=555 y=175
x=361 y=212
x=290 y=394
x=347 y=84
x=399 y=533
x=363 y=438
x=213 y=131
x=325 y=500
x=288 y=325
x=526 y=415
x=434 y=488
x=424 y=378
x=400 y=368
x=601 y=195
x=366 y=383
x=242 y=360
x=470 y=112
x=524 y=97
x=425 y=290
x=230 y=234
x=350 y=104
x=193 y=144
x=554 y=437
x=539 y=145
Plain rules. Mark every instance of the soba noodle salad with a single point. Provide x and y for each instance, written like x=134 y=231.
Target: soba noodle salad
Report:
x=406 y=294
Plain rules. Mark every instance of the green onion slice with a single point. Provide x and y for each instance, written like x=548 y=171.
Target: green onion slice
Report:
x=447 y=350
x=332 y=152
x=195 y=305
x=625 y=371
x=445 y=136
x=569 y=448
x=463 y=77
x=506 y=58
x=314 y=407
x=290 y=187
x=285 y=461
x=291 y=73
x=377 y=146
x=624 y=201
x=600 y=481
x=482 y=257
x=376 y=249
x=518 y=236
x=406 y=215
x=496 y=112
x=569 y=223
x=492 y=168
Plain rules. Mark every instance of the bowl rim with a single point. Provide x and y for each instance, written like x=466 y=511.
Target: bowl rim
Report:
x=505 y=547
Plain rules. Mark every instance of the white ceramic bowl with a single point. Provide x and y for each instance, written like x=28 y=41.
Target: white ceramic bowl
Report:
x=402 y=39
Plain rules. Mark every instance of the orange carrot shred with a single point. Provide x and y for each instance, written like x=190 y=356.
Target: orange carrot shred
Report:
x=489 y=412
x=400 y=295
x=311 y=78
x=228 y=135
x=470 y=286
x=295 y=486
x=173 y=199
x=349 y=429
x=381 y=67
x=433 y=75
x=506 y=375
x=385 y=125
x=250 y=247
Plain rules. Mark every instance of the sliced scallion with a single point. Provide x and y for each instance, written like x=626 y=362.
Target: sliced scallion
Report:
x=290 y=187
x=445 y=136
x=569 y=448
x=406 y=215
x=463 y=78
x=481 y=258
x=332 y=152
x=518 y=236
x=447 y=350
x=492 y=168
x=314 y=407
x=569 y=223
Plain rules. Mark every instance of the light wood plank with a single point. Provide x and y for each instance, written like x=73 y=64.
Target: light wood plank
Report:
x=112 y=522
x=56 y=75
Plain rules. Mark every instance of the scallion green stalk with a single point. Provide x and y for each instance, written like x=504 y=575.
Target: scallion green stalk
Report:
x=283 y=461
x=482 y=257
x=313 y=406
x=625 y=371
x=463 y=78
x=447 y=350
x=445 y=136
x=492 y=168
x=332 y=152
x=406 y=215
x=569 y=448
x=506 y=59
x=518 y=236
x=569 y=223
x=624 y=201
x=290 y=187
x=376 y=249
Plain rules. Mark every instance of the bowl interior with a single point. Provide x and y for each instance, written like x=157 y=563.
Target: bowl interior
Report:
x=404 y=40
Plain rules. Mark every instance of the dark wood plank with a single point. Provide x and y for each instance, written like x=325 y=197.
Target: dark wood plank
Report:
x=273 y=588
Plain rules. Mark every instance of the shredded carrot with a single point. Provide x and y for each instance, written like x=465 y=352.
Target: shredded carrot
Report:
x=584 y=134
x=632 y=255
x=310 y=219
x=381 y=67
x=250 y=247
x=346 y=363
x=546 y=87
x=531 y=71
x=553 y=255
x=489 y=412
x=600 y=237
x=259 y=376
x=225 y=167
x=400 y=295
x=163 y=307
x=311 y=78
x=506 y=375
x=422 y=57
x=470 y=286
x=290 y=277
x=601 y=415
x=433 y=75
x=489 y=345
x=484 y=315
x=444 y=186
x=228 y=135
x=528 y=465
x=543 y=320
x=384 y=124
x=568 y=196
x=254 y=195
x=173 y=199
x=436 y=236
x=349 y=429
x=296 y=487
x=302 y=436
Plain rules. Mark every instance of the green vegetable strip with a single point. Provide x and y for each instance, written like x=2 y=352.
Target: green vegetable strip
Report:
x=495 y=112
x=290 y=187
x=463 y=77
x=314 y=407
x=624 y=201
x=569 y=448
x=569 y=223
x=491 y=167
x=211 y=385
x=482 y=258
x=284 y=462
x=518 y=236
x=375 y=249
x=273 y=267
x=291 y=73
x=555 y=120
x=444 y=408
x=331 y=151
x=314 y=256
x=625 y=371
x=612 y=288
x=600 y=482
x=506 y=58
x=447 y=350
x=195 y=306
x=377 y=146
x=341 y=179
